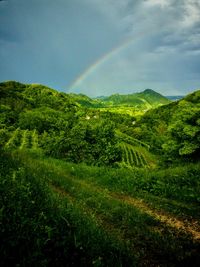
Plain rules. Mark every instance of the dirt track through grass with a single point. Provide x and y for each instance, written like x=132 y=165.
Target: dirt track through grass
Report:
x=168 y=219
x=165 y=218
x=190 y=227
x=148 y=258
x=150 y=255
x=152 y=234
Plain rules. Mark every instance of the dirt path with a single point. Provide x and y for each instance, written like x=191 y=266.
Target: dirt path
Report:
x=166 y=218
x=172 y=221
x=151 y=256
x=148 y=258
x=162 y=216
x=190 y=227
x=101 y=220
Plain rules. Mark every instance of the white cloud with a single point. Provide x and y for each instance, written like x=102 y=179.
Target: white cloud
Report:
x=160 y=3
x=191 y=13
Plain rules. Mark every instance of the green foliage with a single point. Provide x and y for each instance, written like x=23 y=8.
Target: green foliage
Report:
x=130 y=140
x=4 y=136
x=184 y=131
x=86 y=101
x=14 y=140
x=44 y=119
x=180 y=183
x=67 y=130
x=95 y=145
x=173 y=130
x=34 y=141
x=144 y=100
x=59 y=121
x=38 y=228
x=133 y=156
x=152 y=127
x=23 y=213
x=103 y=220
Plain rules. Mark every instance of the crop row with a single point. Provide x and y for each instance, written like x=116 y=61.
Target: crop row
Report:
x=132 y=156
x=23 y=139
x=130 y=140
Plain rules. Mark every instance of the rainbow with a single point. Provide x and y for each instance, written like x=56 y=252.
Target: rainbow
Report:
x=106 y=57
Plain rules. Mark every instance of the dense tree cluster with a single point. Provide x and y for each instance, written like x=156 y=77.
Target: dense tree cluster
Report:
x=173 y=130
x=65 y=129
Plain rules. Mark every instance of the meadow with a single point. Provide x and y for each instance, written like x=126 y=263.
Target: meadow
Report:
x=60 y=212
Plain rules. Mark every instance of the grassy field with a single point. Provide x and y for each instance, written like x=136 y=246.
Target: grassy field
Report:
x=112 y=216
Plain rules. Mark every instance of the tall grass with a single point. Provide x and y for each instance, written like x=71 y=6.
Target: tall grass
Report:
x=136 y=234
x=176 y=190
x=38 y=228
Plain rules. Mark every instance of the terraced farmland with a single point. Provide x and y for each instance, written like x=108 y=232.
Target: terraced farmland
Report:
x=22 y=139
x=134 y=156
x=130 y=140
x=14 y=140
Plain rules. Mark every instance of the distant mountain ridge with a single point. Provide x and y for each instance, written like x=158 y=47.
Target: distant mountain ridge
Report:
x=142 y=100
x=146 y=99
x=175 y=97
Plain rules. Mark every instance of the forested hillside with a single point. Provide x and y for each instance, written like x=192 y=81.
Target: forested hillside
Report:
x=61 y=124
x=146 y=99
x=173 y=130
x=84 y=185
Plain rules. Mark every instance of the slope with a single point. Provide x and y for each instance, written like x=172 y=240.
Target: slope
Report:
x=146 y=99
x=173 y=129
x=123 y=212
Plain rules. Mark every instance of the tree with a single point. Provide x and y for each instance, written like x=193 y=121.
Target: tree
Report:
x=44 y=119
x=184 y=131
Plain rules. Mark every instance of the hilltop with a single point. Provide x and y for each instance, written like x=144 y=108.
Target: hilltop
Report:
x=144 y=100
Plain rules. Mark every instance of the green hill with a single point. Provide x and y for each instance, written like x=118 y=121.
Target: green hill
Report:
x=33 y=95
x=86 y=101
x=62 y=124
x=145 y=100
x=174 y=128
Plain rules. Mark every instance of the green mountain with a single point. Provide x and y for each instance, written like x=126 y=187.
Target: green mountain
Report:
x=38 y=93
x=146 y=99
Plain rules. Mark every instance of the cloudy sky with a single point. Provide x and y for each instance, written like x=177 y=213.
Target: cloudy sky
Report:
x=100 y=47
